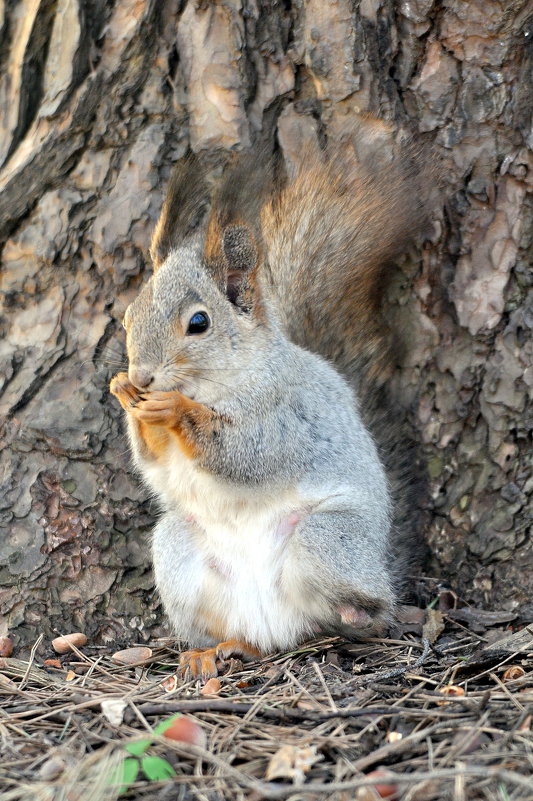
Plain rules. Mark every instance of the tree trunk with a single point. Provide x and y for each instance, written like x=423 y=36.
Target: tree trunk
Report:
x=98 y=99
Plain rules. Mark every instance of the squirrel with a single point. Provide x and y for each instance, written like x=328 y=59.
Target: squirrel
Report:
x=257 y=351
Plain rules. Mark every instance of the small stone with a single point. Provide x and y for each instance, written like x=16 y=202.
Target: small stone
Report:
x=385 y=788
x=394 y=736
x=62 y=645
x=211 y=687
x=186 y=730
x=52 y=768
x=132 y=656
x=113 y=710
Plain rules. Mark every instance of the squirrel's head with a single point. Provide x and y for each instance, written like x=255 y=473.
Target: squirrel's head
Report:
x=200 y=313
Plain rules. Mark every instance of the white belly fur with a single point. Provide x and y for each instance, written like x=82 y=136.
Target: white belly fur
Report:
x=225 y=553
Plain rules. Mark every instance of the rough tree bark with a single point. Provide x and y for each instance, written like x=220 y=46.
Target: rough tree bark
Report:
x=97 y=100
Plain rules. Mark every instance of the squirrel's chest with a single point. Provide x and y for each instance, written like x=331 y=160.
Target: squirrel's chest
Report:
x=228 y=565
x=245 y=557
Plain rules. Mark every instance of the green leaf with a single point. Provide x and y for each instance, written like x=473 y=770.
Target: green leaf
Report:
x=166 y=724
x=156 y=769
x=125 y=774
x=138 y=747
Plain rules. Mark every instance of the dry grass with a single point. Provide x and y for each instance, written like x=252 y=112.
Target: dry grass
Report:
x=341 y=701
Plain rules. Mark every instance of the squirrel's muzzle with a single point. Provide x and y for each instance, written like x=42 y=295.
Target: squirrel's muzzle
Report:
x=141 y=377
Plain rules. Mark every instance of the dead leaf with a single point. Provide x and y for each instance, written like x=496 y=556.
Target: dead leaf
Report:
x=447 y=600
x=70 y=675
x=451 y=690
x=132 y=656
x=169 y=684
x=409 y=620
x=463 y=746
x=410 y=614
x=479 y=619
x=520 y=642
x=434 y=625
x=113 y=710
x=272 y=672
x=6 y=646
x=513 y=672
x=292 y=762
x=55 y=663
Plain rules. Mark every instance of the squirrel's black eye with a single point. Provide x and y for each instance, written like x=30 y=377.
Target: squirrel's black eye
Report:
x=198 y=323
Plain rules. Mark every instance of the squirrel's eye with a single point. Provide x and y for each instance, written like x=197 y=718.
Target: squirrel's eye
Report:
x=198 y=323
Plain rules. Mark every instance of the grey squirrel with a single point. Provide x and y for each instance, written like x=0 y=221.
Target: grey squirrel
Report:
x=255 y=351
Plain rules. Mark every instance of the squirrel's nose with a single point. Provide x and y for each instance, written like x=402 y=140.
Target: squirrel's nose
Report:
x=140 y=377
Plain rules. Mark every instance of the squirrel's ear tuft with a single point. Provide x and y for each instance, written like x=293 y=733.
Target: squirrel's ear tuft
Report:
x=183 y=209
x=231 y=250
x=241 y=258
x=240 y=250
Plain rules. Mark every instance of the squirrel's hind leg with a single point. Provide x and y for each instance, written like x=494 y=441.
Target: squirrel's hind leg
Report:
x=180 y=573
x=337 y=570
x=182 y=578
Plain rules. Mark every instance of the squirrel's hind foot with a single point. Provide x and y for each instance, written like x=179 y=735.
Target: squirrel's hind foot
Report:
x=206 y=662
x=358 y=623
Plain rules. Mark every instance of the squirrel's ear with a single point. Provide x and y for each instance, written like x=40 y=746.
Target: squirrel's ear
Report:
x=183 y=209
x=241 y=258
x=231 y=252
x=240 y=250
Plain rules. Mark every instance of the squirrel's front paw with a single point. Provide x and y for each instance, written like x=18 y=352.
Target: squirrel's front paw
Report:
x=122 y=388
x=158 y=408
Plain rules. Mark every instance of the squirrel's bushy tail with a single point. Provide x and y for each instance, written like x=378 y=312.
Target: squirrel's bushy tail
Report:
x=331 y=236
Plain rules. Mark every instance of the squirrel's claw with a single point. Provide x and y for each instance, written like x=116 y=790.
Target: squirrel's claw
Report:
x=157 y=408
x=205 y=663
x=200 y=663
x=122 y=388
